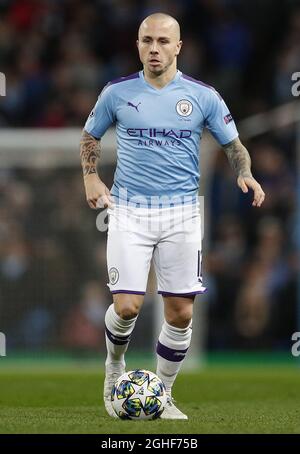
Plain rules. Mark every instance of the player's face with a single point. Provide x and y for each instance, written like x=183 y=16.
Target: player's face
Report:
x=158 y=45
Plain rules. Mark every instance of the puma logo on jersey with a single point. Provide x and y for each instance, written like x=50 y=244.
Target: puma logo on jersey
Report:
x=132 y=105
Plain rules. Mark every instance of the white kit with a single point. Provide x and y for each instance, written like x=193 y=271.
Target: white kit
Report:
x=172 y=236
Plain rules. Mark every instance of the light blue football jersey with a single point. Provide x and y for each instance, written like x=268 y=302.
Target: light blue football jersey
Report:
x=158 y=134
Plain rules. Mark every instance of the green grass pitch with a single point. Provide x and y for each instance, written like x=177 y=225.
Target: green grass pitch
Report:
x=218 y=399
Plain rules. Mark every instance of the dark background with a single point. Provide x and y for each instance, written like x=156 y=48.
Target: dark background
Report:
x=57 y=56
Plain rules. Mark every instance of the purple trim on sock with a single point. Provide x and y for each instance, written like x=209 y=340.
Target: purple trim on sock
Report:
x=117 y=340
x=182 y=294
x=124 y=79
x=130 y=292
x=170 y=354
x=117 y=337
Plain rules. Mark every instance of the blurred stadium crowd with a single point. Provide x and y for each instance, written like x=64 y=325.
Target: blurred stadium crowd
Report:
x=56 y=56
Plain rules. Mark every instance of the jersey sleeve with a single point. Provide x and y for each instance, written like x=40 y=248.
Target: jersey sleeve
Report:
x=219 y=120
x=103 y=114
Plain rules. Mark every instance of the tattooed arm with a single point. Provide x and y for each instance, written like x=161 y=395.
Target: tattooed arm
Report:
x=89 y=153
x=240 y=161
x=95 y=189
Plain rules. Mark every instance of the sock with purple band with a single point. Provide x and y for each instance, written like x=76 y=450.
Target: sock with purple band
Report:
x=117 y=335
x=172 y=346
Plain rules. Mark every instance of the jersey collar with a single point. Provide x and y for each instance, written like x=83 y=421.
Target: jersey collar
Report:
x=159 y=90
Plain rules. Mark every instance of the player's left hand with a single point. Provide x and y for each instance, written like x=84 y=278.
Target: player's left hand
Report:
x=249 y=182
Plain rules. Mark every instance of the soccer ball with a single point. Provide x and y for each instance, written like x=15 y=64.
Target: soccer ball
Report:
x=138 y=394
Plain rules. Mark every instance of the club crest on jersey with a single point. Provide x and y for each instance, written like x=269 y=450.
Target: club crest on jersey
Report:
x=113 y=276
x=184 y=107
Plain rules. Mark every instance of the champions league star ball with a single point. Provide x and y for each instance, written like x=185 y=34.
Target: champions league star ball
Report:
x=138 y=394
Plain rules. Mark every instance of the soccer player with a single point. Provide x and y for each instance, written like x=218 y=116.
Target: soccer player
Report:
x=160 y=114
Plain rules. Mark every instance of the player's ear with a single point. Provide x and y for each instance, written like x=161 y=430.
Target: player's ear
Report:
x=137 y=43
x=179 y=45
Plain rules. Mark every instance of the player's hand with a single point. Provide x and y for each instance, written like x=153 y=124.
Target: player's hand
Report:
x=249 y=182
x=97 y=194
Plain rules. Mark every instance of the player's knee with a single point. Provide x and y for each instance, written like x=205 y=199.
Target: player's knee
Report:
x=180 y=319
x=127 y=307
x=128 y=311
x=179 y=311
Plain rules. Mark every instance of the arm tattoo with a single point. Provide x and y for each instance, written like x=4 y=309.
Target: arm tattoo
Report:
x=89 y=153
x=238 y=158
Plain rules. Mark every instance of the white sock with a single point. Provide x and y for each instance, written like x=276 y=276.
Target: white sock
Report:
x=117 y=335
x=171 y=349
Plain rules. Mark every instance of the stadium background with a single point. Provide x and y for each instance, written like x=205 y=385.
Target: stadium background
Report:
x=57 y=56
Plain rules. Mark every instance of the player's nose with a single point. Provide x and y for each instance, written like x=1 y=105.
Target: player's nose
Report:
x=153 y=49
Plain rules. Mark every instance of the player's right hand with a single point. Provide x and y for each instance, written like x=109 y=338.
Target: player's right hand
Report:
x=97 y=194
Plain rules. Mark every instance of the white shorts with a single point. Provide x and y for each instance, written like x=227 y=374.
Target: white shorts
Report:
x=172 y=236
